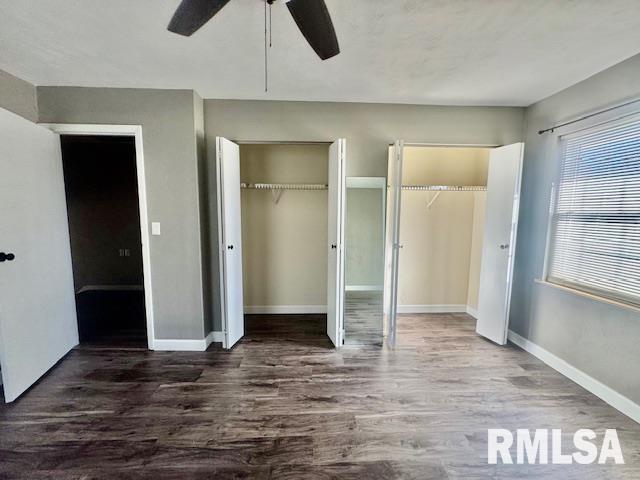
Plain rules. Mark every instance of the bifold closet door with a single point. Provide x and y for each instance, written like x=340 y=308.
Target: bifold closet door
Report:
x=498 y=247
x=335 y=270
x=392 y=248
x=230 y=240
x=38 y=323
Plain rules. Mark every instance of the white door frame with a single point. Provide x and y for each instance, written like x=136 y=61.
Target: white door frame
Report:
x=136 y=132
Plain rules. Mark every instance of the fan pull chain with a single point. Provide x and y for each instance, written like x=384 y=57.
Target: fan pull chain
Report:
x=270 y=26
x=268 y=41
x=266 y=53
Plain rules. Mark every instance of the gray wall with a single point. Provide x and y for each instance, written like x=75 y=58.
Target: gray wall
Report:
x=368 y=128
x=18 y=96
x=171 y=169
x=209 y=296
x=598 y=338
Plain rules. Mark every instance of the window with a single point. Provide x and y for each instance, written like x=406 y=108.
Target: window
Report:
x=595 y=225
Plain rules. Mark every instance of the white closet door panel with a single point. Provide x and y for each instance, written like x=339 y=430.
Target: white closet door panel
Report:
x=37 y=307
x=335 y=276
x=392 y=250
x=228 y=170
x=498 y=248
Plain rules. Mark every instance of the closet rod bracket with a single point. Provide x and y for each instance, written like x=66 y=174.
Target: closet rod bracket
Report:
x=276 y=194
x=435 y=197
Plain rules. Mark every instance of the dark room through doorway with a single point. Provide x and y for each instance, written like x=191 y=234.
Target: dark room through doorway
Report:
x=101 y=189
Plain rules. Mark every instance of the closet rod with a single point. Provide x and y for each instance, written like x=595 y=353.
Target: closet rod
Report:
x=284 y=186
x=446 y=188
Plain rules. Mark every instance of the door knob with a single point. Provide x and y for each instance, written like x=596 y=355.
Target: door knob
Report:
x=334 y=246
x=230 y=247
x=8 y=257
x=504 y=246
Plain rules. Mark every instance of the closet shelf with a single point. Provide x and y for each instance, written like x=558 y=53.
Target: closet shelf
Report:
x=284 y=186
x=446 y=188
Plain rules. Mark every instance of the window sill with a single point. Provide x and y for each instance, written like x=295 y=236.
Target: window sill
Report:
x=590 y=296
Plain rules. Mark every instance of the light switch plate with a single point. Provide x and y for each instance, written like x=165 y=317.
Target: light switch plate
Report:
x=155 y=228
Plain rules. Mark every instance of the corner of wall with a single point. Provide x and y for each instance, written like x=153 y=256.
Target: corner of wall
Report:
x=18 y=96
x=203 y=207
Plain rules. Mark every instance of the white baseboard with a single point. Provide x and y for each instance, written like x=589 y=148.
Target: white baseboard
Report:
x=599 y=389
x=217 y=337
x=364 y=288
x=284 y=309
x=208 y=340
x=213 y=337
x=432 y=308
x=472 y=311
x=165 y=345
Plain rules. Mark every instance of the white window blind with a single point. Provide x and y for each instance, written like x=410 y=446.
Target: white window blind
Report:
x=595 y=236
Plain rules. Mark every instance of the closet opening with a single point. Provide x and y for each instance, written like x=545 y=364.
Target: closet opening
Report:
x=441 y=231
x=101 y=188
x=451 y=237
x=280 y=215
x=284 y=210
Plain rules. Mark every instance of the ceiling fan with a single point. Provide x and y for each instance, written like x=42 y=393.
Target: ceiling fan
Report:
x=311 y=16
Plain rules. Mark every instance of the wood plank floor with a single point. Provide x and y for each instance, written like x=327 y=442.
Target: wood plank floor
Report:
x=363 y=317
x=284 y=405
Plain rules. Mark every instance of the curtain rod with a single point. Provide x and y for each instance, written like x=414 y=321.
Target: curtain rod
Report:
x=585 y=117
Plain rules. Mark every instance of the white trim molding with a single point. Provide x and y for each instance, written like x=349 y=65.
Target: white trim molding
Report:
x=166 y=345
x=284 y=309
x=215 y=337
x=432 y=308
x=599 y=389
x=472 y=311
x=367 y=182
x=136 y=132
x=179 y=345
x=364 y=288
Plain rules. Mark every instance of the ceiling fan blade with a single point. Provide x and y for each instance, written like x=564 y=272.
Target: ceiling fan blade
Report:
x=193 y=14
x=314 y=21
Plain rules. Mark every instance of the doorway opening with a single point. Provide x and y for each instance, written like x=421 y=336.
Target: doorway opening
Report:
x=101 y=188
x=451 y=238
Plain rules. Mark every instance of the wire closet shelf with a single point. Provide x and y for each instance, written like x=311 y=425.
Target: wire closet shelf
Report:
x=284 y=186
x=446 y=188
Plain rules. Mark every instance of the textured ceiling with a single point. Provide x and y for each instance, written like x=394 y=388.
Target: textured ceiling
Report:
x=462 y=52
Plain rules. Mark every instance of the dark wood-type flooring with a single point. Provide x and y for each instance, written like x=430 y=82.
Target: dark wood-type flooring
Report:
x=283 y=405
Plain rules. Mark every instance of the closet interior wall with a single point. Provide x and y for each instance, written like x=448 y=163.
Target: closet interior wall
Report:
x=284 y=235
x=441 y=232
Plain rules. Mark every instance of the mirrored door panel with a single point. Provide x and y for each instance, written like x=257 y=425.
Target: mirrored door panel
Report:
x=364 y=262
